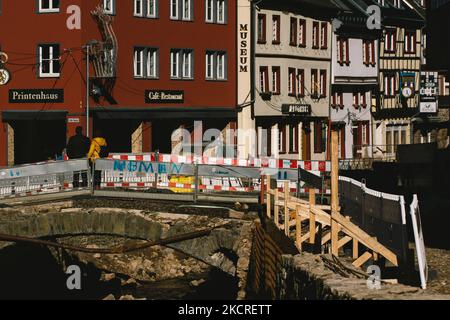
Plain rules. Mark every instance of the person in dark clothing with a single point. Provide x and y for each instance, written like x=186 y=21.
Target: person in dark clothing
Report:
x=78 y=148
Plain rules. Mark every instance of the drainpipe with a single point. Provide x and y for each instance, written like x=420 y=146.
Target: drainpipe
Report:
x=253 y=56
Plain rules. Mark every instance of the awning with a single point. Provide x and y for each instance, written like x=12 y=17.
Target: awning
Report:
x=15 y=115
x=164 y=113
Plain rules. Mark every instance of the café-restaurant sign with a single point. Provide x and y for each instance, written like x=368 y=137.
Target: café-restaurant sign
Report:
x=36 y=95
x=296 y=109
x=164 y=96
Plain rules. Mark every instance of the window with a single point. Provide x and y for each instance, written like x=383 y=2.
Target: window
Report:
x=359 y=100
x=276 y=80
x=181 y=9
x=389 y=85
x=316 y=35
x=390 y=40
x=216 y=65
x=264 y=79
x=410 y=42
x=369 y=53
x=146 y=63
x=302 y=33
x=261 y=28
x=221 y=11
x=337 y=100
x=209 y=5
x=282 y=138
x=145 y=8
x=343 y=55
x=276 y=29
x=48 y=6
x=293 y=138
x=292 y=82
x=314 y=83
x=320 y=137
x=49 y=64
x=216 y=11
x=301 y=82
x=323 y=83
x=293 y=32
x=181 y=64
x=187 y=9
x=324 y=35
x=109 y=6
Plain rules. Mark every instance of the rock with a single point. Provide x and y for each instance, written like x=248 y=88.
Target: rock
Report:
x=127 y=297
x=236 y=214
x=196 y=283
x=109 y=297
x=131 y=281
x=109 y=276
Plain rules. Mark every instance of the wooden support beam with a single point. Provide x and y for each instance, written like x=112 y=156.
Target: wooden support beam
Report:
x=276 y=209
x=326 y=238
x=362 y=259
x=312 y=217
x=298 y=229
x=334 y=192
x=286 y=208
x=344 y=241
x=355 y=250
x=355 y=232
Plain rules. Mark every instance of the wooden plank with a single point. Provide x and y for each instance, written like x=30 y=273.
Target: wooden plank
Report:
x=276 y=210
x=326 y=238
x=362 y=259
x=354 y=231
x=298 y=229
x=344 y=241
x=312 y=217
x=268 y=206
x=334 y=192
x=286 y=208
x=355 y=249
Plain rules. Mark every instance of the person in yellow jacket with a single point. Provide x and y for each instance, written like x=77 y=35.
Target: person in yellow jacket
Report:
x=98 y=149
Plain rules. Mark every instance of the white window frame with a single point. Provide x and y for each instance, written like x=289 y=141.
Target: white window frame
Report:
x=51 y=60
x=187 y=70
x=221 y=4
x=174 y=4
x=153 y=14
x=209 y=57
x=186 y=4
x=275 y=79
x=175 y=63
x=221 y=67
x=50 y=9
x=209 y=11
x=113 y=6
x=214 y=69
x=144 y=59
x=138 y=62
x=139 y=4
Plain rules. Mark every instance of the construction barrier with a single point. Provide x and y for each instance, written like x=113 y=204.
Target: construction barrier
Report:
x=382 y=215
x=44 y=177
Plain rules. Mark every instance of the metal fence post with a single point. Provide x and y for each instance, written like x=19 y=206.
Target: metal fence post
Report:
x=93 y=178
x=196 y=183
x=156 y=172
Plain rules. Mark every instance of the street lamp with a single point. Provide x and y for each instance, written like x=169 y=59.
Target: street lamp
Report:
x=88 y=45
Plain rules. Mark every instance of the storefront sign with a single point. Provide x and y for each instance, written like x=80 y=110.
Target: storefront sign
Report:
x=429 y=92
x=296 y=109
x=36 y=95
x=73 y=120
x=164 y=96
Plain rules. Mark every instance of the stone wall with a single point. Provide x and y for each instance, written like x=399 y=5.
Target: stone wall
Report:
x=305 y=277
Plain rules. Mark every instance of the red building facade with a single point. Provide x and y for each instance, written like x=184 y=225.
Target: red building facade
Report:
x=158 y=65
